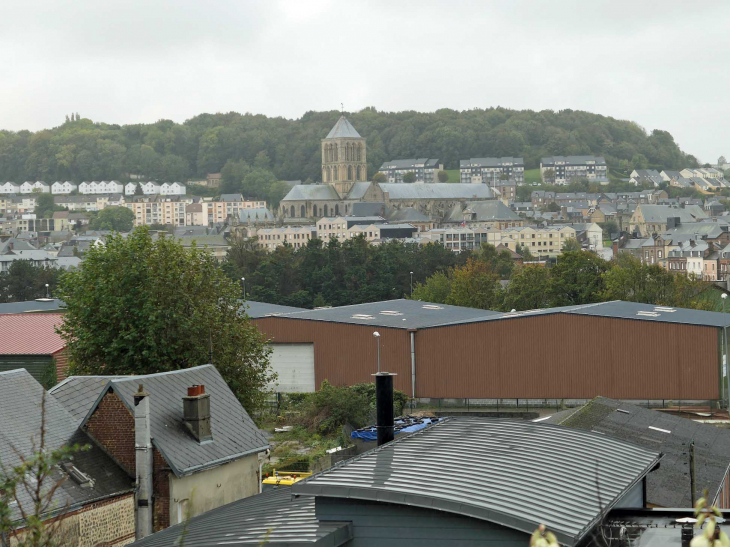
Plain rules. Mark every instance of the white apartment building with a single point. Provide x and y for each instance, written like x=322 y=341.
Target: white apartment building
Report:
x=29 y=187
x=296 y=236
x=542 y=241
x=101 y=187
x=172 y=189
x=491 y=170
x=563 y=169
x=9 y=188
x=150 y=188
x=59 y=187
x=130 y=188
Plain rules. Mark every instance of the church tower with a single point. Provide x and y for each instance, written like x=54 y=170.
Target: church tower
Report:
x=344 y=159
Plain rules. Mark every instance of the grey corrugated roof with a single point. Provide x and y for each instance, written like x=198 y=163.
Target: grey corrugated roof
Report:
x=550 y=472
x=78 y=394
x=437 y=190
x=234 y=433
x=669 y=486
x=20 y=408
x=29 y=306
x=262 y=309
x=630 y=310
x=303 y=192
x=343 y=128
x=274 y=519
x=408 y=314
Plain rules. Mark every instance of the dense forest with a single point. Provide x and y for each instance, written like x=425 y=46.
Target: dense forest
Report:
x=80 y=149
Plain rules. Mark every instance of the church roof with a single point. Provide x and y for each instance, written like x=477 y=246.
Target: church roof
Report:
x=436 y=190
x=358 y=190
x=303 y=192
x=343 y=128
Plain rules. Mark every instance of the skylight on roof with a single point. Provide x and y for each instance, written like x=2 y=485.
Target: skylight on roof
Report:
x=390 y=312
x=647 y=314
x=663 y=309
x=432 y=307
x=659 y=429
x=362 y=316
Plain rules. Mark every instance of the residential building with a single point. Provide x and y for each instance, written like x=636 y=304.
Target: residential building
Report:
x=89 y=202
x=507 y=190
x=483 y=214
x=9 y=188
x=130 y=188
x=30 y=341
x=650 y=219
x=158 y=210
x=563 y=169
x=702 y=172
x=195 y=215
x=456 y=239
x=668 y=175
x=404 y=492
x=229 y=206
x=213 y=240
x=379 y=232
x=150 y=188
x=544 y=241
x=213 y=180
x=35 y=257
x=723 y=263
x=296 y=236
x=59 y=187
x=29 y=187
x=639 y=177
x=409 y=215
x=93 y=495
x=670 y=485
x=425 y=169
x=492 y=170
x=172 y=189
x=339 y=227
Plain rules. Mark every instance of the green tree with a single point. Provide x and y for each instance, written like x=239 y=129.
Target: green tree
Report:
x=262 y=161
x=443 y=176
x=436 y=288
x=577 y=278
x=524 y=252
x=232 y=176
x=24 y=281
x=380 y=177
x=475 y=285
x=44 y=205
x=120 y=219
x=410 y=176
x=571 y=244
x=138 y=306
x=138 y=191
x=527 y=289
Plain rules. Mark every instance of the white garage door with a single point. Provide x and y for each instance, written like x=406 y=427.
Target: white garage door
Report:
x=294 y=364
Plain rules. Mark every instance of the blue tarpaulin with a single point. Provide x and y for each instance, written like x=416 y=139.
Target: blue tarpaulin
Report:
x=401 y=426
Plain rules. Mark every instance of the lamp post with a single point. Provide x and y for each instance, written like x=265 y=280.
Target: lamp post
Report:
x=376 y=334
x=243 y=283
x=411 y=283
x=724 y=337
x=48 y=293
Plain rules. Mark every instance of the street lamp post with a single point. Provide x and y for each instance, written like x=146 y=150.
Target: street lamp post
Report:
x=376 y=334
x=243 y=282
x=411 y=283
x=724 y=337
x=48 y=295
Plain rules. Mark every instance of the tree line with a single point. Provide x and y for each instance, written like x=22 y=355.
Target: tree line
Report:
x=80 y=149
x=353 y=272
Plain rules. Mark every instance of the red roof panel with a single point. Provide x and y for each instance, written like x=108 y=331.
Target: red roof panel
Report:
x=30 y=334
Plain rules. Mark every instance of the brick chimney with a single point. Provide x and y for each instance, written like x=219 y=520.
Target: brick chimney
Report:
x=143 y=464
x=196 y=413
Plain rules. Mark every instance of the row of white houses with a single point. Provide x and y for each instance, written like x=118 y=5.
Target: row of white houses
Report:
x=94 y=187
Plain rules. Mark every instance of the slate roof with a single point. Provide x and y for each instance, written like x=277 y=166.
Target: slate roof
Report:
x=573 y=160
x=660 y=213
x=491 y=162
x=234 y=433
x=407 y=214
x=30 y=306
x=231 y=197
x=436 y=190
x=367 y=209
x=485 y=211
x=427 y=163
x=510 y=464
x=17 y=244
x=263 y=309
x=30 y=334
x=274 y=518
x=20 y=407
x=303 y=192
x=343 y=128
x=258 y=214
x=669 y=486
x=77 y=394
x=358 y=190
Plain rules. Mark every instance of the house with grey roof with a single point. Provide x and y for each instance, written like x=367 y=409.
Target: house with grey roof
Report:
x=424 y=169
x=407 y=493
x=669 y=485
x=650 y=218
x=483 y=214
x=94 y=497
x=639 y=177
x=492 y=170
x=207 y=451
x=563 y=169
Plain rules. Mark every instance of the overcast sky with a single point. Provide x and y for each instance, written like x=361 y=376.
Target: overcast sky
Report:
x=660 y=63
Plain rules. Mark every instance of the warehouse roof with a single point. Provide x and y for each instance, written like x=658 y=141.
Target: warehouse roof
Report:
x=30 y=306
x=263 y=309
x=234 y=433
x=551 y=473
x=274 y=518
x=30 y=334
x=669 y=486
x=403 y=313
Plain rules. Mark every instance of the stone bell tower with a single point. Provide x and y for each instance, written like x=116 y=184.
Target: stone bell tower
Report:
x=344 y=158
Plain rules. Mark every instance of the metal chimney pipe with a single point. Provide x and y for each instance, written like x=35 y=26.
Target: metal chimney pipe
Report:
x=384 y=407
x=143 y=464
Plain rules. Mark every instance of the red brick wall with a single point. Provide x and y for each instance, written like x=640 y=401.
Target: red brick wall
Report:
x=112 y=426
x=61 y=358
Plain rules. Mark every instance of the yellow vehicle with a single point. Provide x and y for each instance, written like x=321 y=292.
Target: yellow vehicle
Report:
x=282 y=478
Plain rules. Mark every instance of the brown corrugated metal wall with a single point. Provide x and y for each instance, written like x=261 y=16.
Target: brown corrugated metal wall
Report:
x=568 y=356
x=346 y=354
x=556 y=356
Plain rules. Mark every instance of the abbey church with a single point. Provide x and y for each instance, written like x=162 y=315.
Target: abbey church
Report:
x=345 y=181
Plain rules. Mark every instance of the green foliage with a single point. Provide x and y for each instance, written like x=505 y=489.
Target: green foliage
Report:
x=120 y=219
x=474 y=285
x=380 y=177
x=527 y=289
x=410 y=176
x=166 y=151
x=571 y=244
x=577 y=278
x=435 y=289
x=25 y=281
x=45 y=206
x=443 y=176
x=138 y=306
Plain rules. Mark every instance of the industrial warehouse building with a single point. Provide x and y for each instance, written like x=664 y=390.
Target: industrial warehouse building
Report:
x=621 y=350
